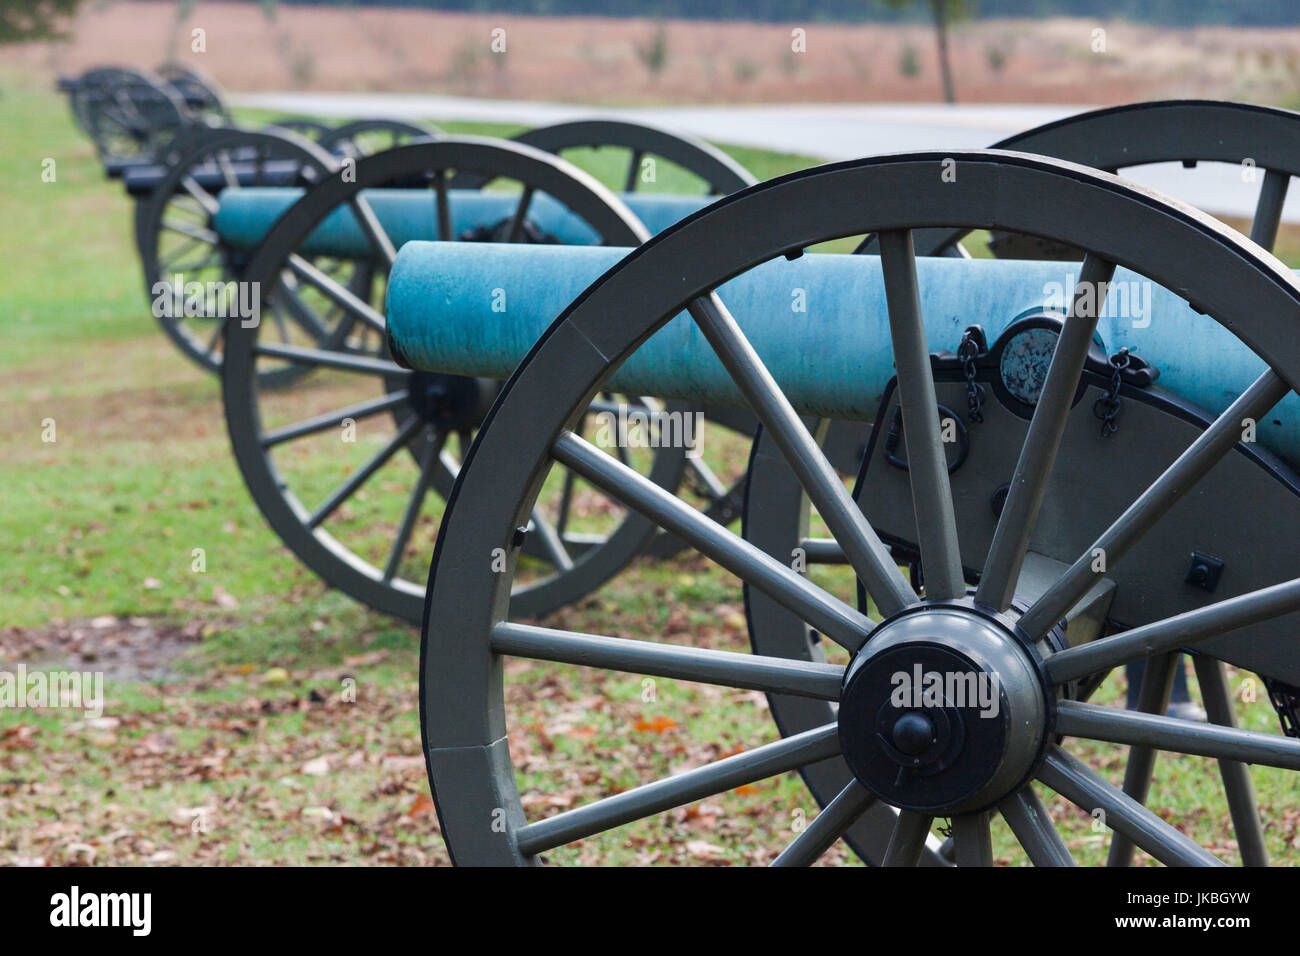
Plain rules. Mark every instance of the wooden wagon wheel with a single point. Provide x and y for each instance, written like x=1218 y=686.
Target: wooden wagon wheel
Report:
x=176 y=236
x=130 y=115
x=287 y=444
x=467 y=631
x=1115 y=139
x=363 y=137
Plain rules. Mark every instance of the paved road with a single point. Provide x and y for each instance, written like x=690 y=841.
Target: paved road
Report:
x=830 y=131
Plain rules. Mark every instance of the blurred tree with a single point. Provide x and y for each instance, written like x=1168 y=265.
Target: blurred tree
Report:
x=22 y=21
x=653 y=54
x=944 y=13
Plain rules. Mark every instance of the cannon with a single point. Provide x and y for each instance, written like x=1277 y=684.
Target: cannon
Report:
x=1260 y=143
x=1067 y=542
x=176 y=200
x=129 y=114
x=202 y=95
x=142 y=123
x=477 y=190
x=177 y=246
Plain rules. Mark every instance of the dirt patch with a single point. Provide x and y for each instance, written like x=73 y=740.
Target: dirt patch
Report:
x=133 y=648
x=587 y=59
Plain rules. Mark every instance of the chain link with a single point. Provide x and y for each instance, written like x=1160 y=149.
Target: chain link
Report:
x=1286 y=701
x=969 y=350
x=1107 y=407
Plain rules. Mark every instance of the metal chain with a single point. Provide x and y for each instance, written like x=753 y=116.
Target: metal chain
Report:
x=1286 y=701
x=969 y=350
x=1107 y=407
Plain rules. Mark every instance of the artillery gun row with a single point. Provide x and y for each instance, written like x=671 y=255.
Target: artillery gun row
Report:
x=1047 y=483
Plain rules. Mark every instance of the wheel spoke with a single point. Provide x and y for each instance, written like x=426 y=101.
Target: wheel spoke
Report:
x=278 y=314
x=1033 y=469
x=1150 y=730
x=1033 y=828
x=215 y=338
x=325 y=358
x=633 y=171
x=286 y=293
x=831 y=824
x=566 y=503
x=362 y=475
x=201 y=195
x=1182 y=630
x=1086 y=790
x=822 y=551
x=1176 y=480
x=551 y=542
x=443 y=205
x=865 y=551
x=1153 y=698
x=194 y=232
x=414 y=506
x=227 y=170
x=179 y=251
x=773 y=675
x=972 y=841
x=936 y=520
x=717 y=490
x=841 y=623
x=336 y=293
x=210 y=259
x=1237 y=785
x=373 y=229
x=907 y=841
x=188 y=206
x=728 y=773
x=320 y=423
x=521 y=214
x=1268 y=208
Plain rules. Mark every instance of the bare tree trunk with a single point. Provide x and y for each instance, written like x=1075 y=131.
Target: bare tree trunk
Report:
x=940 y=8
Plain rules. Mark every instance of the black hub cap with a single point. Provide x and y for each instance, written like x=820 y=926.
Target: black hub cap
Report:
x=942 y=711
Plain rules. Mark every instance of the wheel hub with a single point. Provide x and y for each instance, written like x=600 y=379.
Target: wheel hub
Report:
x=942 y=711
x=449 y=402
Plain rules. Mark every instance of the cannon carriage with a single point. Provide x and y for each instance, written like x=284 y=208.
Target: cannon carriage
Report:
x=475 y=191
x=1007 y=587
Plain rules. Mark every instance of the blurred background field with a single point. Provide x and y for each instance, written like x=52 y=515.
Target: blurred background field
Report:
x=1175 y=50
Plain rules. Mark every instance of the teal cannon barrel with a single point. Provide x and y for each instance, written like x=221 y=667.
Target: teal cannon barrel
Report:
x=819 y=322
x=141 y=178
x=246 y=215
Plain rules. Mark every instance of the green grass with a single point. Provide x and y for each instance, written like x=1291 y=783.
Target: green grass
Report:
x=105 y=521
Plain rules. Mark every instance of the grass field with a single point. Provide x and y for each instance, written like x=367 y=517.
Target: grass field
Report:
x=253 y=716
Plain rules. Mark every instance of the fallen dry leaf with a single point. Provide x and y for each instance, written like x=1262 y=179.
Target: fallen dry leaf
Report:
x=423 y=804
x=657 y=724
